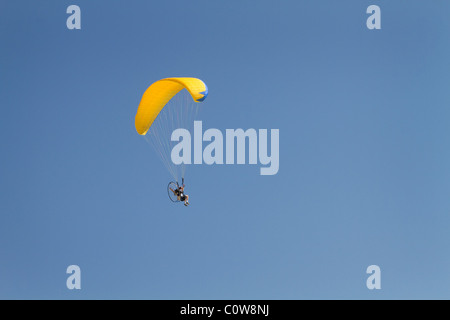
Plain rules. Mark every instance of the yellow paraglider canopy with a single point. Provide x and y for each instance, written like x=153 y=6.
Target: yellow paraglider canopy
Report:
x=159 y=93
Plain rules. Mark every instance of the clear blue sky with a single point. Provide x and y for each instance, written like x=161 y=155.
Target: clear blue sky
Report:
x=364 y=151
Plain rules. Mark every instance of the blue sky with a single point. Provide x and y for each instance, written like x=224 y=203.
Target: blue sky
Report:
x=364 y=152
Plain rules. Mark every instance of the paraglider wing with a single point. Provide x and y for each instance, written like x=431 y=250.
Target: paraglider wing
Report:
x=159 y=93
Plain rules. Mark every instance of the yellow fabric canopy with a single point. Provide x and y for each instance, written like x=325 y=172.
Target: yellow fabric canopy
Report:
x=159 y=93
